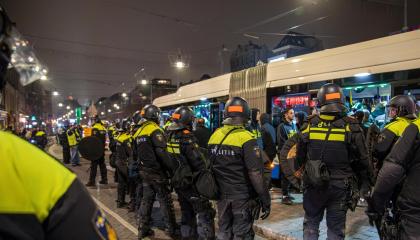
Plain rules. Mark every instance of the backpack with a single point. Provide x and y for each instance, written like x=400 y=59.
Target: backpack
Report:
x=316 y=173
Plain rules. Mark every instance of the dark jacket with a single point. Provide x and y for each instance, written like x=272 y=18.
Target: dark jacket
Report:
x=401 y=170
x=183 y=146
x=284 y=131
x=150 y=147
x=202 y=134
x=345 y=151
x=268 y=134
x=238 y=166
x=387 y=138
x=266 y=125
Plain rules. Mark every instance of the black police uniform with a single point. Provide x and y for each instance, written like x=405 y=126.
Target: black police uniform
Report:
x=155 y=166
x=135 y=185
x=41 y=199
x=41 y=139
x=400 y=177
x=238 y=169
x=387 y=138
x=99 y=131
x=344 y=153
x=197 y=220
x=124 y=153
x=65 y=145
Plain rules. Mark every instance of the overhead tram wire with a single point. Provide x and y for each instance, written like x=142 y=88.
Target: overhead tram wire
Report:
x=121 y=59
x=95 y=45
x=263 y=22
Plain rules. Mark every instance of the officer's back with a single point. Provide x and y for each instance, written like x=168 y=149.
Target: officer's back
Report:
x=229 y=166
x=99 y=130
x=151 y=144
x=401 y=114
x=333 y=151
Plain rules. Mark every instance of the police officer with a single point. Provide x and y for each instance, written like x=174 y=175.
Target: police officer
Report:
x=401 y=112
x=99 y=131
x=41 y=139
x=238 y=169
x=40 y=198
x=65 y=143
x=398 y=181
x=155 y=169
x=123 y=153
x=333 y=143
x=135 y=186
x=73 y=139
x=197 y=221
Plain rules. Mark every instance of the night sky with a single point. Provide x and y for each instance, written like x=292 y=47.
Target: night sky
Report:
x=93 y=48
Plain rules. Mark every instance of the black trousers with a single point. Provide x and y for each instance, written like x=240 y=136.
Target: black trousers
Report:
x=66 y=154
x=94 y=168
x=285 y=185
x=235 y=220
x=152 y=189
x=316 y=202
x=122 y=186
x=197 y=215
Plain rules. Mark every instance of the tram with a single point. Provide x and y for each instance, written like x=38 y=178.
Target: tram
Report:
x=370 y=73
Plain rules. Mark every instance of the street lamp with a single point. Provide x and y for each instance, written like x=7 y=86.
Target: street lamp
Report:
x=55 y=93
x=124 y=94
x=68 y=107
x=60 y=105
x=179 y=64
x=143 y=82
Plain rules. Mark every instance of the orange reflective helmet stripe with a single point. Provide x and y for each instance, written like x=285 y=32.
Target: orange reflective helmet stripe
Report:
x=176 y=116
x=331 y=96
x=235 y=109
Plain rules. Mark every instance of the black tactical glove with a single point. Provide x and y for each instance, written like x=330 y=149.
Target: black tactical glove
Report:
x=257 y=182
x=255 y=207
x=372 y=214
x=265 y=203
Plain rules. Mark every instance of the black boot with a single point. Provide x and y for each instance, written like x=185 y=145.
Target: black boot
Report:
x=90 y=184
x=146 y=233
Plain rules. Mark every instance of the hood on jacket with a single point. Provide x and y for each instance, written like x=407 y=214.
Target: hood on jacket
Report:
x=265 y=118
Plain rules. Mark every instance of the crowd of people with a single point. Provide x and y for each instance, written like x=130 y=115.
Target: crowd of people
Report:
x=340 y=166
x=42 y=199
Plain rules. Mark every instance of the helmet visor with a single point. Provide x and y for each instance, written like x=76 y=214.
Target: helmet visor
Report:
x=23 y=58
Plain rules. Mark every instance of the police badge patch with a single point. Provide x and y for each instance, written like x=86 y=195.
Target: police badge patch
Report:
x=381 y=138
x=159 y=137
x=103 y=227
x=257 y=152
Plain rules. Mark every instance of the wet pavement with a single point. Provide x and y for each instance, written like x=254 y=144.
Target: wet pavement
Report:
x=285 y=222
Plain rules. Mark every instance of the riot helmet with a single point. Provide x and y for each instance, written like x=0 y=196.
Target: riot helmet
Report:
x=136 y=117
x=97 y=119
x=237 y=112
x=150 y=112
x=331 y=99
x=125 y=125
x=182 y=118
x=404 y=106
